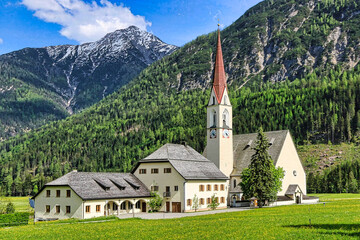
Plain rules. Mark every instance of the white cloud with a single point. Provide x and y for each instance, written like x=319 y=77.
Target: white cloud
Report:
x=85 y=22
x=1 y=41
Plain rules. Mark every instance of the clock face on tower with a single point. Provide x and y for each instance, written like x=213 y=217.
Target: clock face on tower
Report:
x=213 y=133
x=226 y=133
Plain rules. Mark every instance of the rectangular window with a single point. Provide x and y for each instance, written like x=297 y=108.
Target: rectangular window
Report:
x=87 y=209
x=68 y=193
x=208 y=200
x=58 y=209
x=47 y=208
x=216 y=187
x=201 y=188
x=176 y=188
x=222 y=199
x=154 y=188
x=208 y=187
x=167 y=170
x=222 y=187
x=57 y=193
x=48 y=193
x=189 y=202
x=97 y=208
x=142 y=171
x=202 y=201
x=68 y=209
x=154 y=171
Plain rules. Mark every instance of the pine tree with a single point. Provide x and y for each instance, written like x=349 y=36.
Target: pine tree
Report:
x=262 y=180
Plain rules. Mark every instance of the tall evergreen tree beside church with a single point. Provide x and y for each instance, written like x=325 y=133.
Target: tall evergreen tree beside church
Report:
x=261 y=180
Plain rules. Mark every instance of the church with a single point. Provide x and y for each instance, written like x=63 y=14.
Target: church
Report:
x=178 y=173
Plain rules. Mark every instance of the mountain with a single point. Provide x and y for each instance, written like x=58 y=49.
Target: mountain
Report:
x=166 y=102
x=52 y=82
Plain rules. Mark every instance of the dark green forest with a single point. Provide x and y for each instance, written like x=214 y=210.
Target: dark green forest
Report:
x=343 y=178
x=318 y=103
x=114 y=134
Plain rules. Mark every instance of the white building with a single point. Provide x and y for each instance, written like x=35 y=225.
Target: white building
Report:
x=85 y=195
x=177 y=172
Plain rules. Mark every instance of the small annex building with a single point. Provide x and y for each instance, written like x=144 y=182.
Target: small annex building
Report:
x=179 y=173
x=91 y=194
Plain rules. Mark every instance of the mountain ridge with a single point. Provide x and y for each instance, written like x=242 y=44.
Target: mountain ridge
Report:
x=76 y=76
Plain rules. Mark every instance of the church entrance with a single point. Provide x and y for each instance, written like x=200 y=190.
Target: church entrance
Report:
x=176 y=207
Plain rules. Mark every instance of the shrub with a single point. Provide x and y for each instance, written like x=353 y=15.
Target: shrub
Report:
x=10 y=208
x=155 y=202
x=214 y=202
x=14 y=219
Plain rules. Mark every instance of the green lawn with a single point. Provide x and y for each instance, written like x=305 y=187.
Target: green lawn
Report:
x=337 y=219
x=21 y=203
x=326 y=197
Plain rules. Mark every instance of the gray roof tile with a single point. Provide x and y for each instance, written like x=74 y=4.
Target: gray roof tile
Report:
x=176 y=152
x=291 y=189
x=187 y=162
x=243 y=152
x=93 y=185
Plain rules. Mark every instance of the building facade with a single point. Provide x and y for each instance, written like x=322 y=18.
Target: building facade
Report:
x=177 y=172
x=86 y=195
x=232 y=153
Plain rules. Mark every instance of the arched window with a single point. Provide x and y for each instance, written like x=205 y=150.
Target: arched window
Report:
x=213 y=100
x=226 y=118
x=225 y=100
x=213 y=118
x=234 y=183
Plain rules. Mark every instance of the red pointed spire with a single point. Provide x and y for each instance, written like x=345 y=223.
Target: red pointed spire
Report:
x=219 y=81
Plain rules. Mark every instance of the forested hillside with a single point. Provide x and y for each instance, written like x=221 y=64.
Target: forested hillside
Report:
x=332 y=168
x=112 y=136
x=166 y=102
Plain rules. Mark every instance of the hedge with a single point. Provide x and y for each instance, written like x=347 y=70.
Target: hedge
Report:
x=14 y=219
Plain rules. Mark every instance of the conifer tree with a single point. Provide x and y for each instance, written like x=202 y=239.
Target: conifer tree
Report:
x=261 y=180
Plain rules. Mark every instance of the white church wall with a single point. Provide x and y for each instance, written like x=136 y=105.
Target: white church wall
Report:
x=290 y=162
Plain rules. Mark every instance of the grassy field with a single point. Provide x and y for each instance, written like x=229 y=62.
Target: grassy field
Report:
x=21 y=204
x=328 y=197
x=337 y=219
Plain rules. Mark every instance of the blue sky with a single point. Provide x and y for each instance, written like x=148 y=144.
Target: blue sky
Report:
x=39 y=23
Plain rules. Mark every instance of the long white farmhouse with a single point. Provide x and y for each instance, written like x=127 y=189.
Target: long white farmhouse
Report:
x=177 y=172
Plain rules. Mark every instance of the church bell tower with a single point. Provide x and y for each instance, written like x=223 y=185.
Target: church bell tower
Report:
x=219 y=118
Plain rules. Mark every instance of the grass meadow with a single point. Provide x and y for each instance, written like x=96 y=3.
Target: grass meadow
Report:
x=338 y=218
